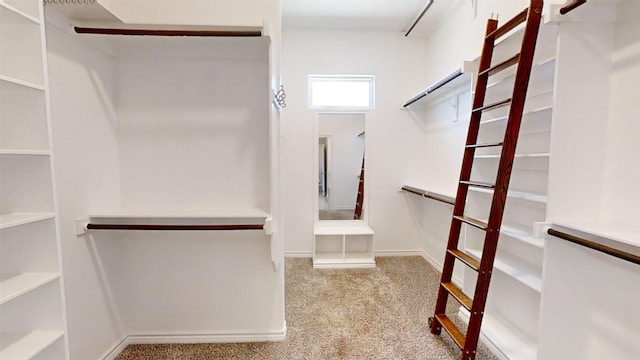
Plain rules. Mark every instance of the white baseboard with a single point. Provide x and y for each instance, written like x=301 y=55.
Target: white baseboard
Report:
x=116 y=349
x=298 y=254
x=221 y=337
x=398 y=253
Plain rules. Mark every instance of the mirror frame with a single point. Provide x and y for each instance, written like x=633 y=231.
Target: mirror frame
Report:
x=367 y=156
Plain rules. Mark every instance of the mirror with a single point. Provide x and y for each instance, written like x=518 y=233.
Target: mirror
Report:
x=340 y=159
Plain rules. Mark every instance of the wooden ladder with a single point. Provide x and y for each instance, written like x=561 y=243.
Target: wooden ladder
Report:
x=357 y=214
x=524 y=60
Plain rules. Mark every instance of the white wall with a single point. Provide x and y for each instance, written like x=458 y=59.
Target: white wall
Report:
x=621 y=193
x=86 y=153
x=399 y=66
x=196 y=138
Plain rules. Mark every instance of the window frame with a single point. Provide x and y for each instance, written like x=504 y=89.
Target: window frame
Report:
x=370 y=79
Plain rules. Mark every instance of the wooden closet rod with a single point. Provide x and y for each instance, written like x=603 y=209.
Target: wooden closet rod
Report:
x=417 y=20
x=174 y=227
x=595 y=246
x=147 y=32
x=571 y=5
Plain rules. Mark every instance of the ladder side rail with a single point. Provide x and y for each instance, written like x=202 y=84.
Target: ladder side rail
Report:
x=504 y=174
x=465 y=173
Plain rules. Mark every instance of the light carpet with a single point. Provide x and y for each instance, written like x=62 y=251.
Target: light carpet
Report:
x=379 y=313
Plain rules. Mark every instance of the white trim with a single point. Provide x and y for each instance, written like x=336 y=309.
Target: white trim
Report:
x=383 y=253
x=298 y=254
x=370 y=79
x=116 y=349
x=219 y=337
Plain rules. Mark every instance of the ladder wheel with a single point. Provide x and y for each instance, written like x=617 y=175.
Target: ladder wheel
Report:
x=430 y=320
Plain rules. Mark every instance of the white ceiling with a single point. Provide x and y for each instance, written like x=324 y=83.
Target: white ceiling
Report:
x=395 y=15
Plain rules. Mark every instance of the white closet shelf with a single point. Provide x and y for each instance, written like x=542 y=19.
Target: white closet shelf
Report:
x=181 y=213
x=16 y=219
x=528 y=112
x=24 y=346
x=12 y=15
x=14 y=81
x=543 y=65
x=458 y=77
x=343 y=229
x=628 y=234
x=14 y=285
x=517 y=156
x=528 y=196
x=505 y=336
x=522 y=235
x=177 y=219
x=516 y=268
x=26 y=152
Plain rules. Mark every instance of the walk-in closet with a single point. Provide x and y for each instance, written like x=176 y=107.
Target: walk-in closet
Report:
x=294 y=178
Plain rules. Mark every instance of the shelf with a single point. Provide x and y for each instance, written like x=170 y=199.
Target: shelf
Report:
x=505 y=337
x=628 y=234
x=181 y=216
x=522 y=235
x=14 y=285
x=27 y=84
x=518 y=269
x=517 y=156
x=342 y=230
x=528 y=196
x=17 y=219
x=20 y=152
x=457 y=78
x=524 y=115
x=7 y=9
x=23 y=346
x=181 y=213
x=539 y=66
x=343 y=246
x=21 y=47
x=338 y=263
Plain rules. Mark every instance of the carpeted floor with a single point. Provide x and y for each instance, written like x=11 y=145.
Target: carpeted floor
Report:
x=376 y=313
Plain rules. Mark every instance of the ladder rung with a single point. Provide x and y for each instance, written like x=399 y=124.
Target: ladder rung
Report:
x=452 y=329
x=509 y=25
x=466 y=259
x=503 y=65
x=457 y=293
x=471 y=221
x=478 y=184
x=494 y=105
x=475 y=146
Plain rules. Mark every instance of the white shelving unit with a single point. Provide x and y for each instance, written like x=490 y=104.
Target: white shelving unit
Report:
x=343 y=246
x=513 y=330
x=31 y=290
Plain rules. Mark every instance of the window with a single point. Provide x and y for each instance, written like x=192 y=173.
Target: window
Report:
x=341 y=91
